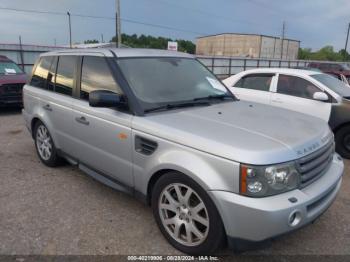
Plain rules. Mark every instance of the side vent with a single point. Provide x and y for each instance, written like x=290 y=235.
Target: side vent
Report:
x=145 y=146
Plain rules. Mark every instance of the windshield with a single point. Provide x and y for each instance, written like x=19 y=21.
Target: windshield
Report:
x=333 y=83
x=169 y=80
x=7 y=68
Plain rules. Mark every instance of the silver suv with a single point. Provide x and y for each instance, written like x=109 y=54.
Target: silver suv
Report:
x=160 y=126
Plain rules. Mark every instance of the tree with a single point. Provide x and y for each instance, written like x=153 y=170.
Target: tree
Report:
x=326 y=53
x=94 y=41
x=148 y=41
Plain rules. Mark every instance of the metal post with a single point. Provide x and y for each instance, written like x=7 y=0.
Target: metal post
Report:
x=230 y=65
x=282 y=40
x=21 y=52
x=346 y=42
x=118 y=25
x=70 y=30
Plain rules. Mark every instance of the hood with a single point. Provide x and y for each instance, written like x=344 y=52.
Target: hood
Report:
x=13 y=79
x=241 y=131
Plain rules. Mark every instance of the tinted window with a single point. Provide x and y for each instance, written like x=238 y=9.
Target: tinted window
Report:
x=257 y=82
x=50 y=84
x=65 y=74
x=96 y=75
x=41 y=72
x=334 y=84
x=296 y=86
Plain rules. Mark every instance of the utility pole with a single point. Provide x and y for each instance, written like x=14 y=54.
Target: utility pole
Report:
x=21 y=52
x=346 y=42
x=117 y=25
x=282 y=40
x=70 y=30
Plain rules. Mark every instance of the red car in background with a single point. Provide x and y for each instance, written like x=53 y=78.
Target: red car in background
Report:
x=335 y=69
x=12 y=80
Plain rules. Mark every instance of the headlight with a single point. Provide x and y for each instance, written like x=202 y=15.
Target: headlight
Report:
x=261 y=181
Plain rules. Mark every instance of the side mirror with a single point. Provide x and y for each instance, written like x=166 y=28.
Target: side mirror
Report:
x=320 y=96
x=105 y=98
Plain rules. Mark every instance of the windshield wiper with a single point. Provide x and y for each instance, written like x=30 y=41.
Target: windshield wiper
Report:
x=222 y=97
x=177 y=105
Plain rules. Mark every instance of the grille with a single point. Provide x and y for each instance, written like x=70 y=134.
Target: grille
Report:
x=313 y=166
x=145 y=146
x=13 y=88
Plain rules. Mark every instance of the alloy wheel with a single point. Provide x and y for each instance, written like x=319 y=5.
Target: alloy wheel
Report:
x=44 y=142
x=183 y=214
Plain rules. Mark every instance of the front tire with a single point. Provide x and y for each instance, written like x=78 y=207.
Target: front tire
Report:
x=186 y=215
x=342 y=141
x=45 y=146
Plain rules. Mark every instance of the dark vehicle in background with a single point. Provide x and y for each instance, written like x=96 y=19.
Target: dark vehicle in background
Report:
x=336 y=69
x=12 y=80
x=307 y=68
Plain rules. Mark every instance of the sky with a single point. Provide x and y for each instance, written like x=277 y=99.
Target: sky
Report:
x=316 y=23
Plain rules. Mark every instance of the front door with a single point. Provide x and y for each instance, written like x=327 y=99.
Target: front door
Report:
x=103 y=135
x=296 y=93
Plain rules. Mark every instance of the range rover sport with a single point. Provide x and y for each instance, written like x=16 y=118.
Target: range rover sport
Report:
x=160 y=126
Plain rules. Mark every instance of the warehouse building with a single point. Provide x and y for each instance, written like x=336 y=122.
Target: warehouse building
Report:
x=247 y=45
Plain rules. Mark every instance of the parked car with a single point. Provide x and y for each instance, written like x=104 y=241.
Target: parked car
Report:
x=336 y=69
x=313 y=93
x=160 y=126
x=12 y=80
x=307 y=68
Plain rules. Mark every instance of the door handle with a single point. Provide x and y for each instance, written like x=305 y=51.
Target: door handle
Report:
x=47 y=107
x=82 y=120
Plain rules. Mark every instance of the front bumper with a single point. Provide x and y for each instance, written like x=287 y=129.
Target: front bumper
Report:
x=11 y=100
x=258 y=219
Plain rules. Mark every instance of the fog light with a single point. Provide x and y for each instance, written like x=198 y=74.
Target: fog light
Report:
x=255 y=187
x=294 y=218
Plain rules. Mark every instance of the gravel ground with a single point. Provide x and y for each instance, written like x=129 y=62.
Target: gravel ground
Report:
x=62 y=211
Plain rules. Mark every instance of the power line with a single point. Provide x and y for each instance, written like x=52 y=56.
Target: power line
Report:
x=102 y=17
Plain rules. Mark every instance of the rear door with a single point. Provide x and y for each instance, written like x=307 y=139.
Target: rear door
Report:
x=55 y=76
x=254 y=87
x=296 y=93
x=102 y=135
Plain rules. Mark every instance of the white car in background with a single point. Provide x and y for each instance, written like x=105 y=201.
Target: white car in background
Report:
x=309 y=92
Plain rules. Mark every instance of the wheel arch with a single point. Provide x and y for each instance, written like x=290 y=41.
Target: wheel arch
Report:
x=340 y=126
x=48 y=125
x=153 y=180
x=33 y=123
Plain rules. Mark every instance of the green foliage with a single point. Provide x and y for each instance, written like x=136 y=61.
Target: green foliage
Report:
x=94 y=41
x=326 y=53
x=148 y=41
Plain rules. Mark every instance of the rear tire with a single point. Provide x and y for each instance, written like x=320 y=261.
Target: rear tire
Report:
x=190 y=222
x=45 y=146
x=342 y=141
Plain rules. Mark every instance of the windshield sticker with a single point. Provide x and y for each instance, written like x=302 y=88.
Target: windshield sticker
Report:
x=10 y=71
x=216 y=84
